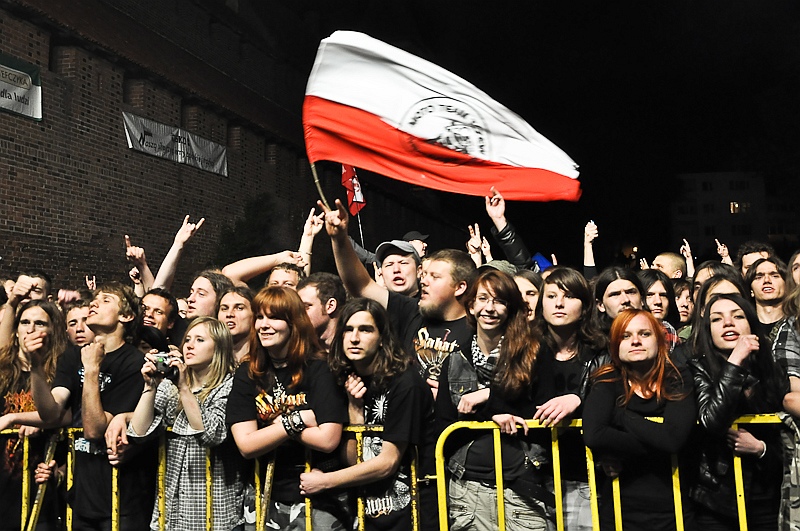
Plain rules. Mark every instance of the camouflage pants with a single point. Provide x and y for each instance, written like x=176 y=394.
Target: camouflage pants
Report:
x=293 y=518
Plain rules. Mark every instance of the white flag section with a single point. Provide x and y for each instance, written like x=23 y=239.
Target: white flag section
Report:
x=175 y=144
x=380 y=108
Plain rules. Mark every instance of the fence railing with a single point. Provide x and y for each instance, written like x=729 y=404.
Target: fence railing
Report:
x=263 y=488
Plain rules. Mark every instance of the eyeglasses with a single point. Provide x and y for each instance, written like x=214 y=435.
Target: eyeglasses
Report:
x=483 y=300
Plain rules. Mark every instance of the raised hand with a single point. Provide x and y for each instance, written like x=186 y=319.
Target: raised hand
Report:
x=336 y=221
x=496 y=206
x=135 y=255
x=187 y=230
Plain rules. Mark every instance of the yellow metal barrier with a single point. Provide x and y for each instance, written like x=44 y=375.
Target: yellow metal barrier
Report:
x=677 y=499
x=440 y=477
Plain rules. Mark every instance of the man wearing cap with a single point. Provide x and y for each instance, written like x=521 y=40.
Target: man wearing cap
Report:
x=400 y=267
x=414 y=237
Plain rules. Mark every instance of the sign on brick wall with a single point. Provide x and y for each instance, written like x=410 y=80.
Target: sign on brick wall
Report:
x=20 y=87
x=175 y=144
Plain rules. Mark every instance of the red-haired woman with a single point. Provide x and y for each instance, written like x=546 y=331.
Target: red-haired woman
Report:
x=640 y=383
x=285 y=399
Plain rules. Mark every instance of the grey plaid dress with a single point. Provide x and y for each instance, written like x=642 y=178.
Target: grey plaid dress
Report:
x=185 y=482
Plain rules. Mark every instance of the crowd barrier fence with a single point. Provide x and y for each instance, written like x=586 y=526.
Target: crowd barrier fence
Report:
x=30 y=510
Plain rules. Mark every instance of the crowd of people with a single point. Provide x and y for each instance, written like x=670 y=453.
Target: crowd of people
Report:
x=657 y=362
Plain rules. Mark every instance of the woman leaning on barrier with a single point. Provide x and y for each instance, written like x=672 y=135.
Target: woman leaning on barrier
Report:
x=572 y=349
x=734 y=375
x=503 y=356
x=383 y=389
x=640 y=383
x=285 y=400
x=189 y=394
x=39 y=325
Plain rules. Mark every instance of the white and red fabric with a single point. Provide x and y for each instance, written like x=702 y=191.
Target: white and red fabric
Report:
x=379 y=108
x=355 y=196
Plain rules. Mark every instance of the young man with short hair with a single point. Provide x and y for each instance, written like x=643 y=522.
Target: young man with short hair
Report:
x=90 y=387
x=323 y=295
x=206 y=292
x=671 y=264
x=765 y=278
x=749 y=252
x=400 y=267
x=78 y=332
x=285 y=275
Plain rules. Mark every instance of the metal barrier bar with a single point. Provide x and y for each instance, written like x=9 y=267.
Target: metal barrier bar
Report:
x=590 y=472
x=161 y=496
x=266 y=487
x=557 y=480
x=26 y=487
x=770 y=418
x=209 y=494
x=361 y=512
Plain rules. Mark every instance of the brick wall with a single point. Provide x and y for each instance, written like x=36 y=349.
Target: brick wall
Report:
x=70 y=189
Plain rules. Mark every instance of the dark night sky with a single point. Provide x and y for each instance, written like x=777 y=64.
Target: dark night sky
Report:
x=633 y=91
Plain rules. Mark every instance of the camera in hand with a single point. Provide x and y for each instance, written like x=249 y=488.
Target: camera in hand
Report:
x=164 y=369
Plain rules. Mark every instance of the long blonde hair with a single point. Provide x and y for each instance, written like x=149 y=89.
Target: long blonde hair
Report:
x=222 y=363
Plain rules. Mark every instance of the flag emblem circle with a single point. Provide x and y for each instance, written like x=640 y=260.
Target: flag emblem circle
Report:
x=449 y=123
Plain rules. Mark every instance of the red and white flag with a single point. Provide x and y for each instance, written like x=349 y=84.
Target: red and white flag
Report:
x=381 y=109
x=355 y=197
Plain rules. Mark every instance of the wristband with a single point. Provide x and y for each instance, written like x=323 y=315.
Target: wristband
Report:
x=287 y=425
x=763 y=452
x=297 y=422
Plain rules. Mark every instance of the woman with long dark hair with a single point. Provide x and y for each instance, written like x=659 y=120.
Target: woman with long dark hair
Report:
x=640 y=383
x=38 y=326
x=382 y=389
x=284 y=400
x=734 y=374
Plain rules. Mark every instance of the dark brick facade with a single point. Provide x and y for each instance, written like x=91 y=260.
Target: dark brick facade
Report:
x=70 y=189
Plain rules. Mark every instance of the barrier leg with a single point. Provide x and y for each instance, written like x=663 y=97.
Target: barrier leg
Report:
x=737 y=474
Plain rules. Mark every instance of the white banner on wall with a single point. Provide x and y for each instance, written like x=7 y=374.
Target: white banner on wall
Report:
x=175 y=144
x=20 y=87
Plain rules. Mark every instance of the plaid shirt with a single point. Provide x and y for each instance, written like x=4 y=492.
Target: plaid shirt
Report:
x=786 y=347
x=185 y=481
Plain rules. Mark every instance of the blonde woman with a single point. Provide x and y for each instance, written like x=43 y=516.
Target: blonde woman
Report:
x=193 y=403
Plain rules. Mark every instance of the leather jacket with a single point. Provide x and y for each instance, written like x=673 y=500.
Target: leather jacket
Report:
x=720 y=401
x=513 y=247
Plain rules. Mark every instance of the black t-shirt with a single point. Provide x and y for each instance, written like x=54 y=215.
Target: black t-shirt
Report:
x=317 y=391
x=405 y=410
x=120 y=389
x=432 y=341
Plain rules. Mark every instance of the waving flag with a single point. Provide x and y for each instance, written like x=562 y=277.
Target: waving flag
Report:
x=379 y=108
x=355 y=197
